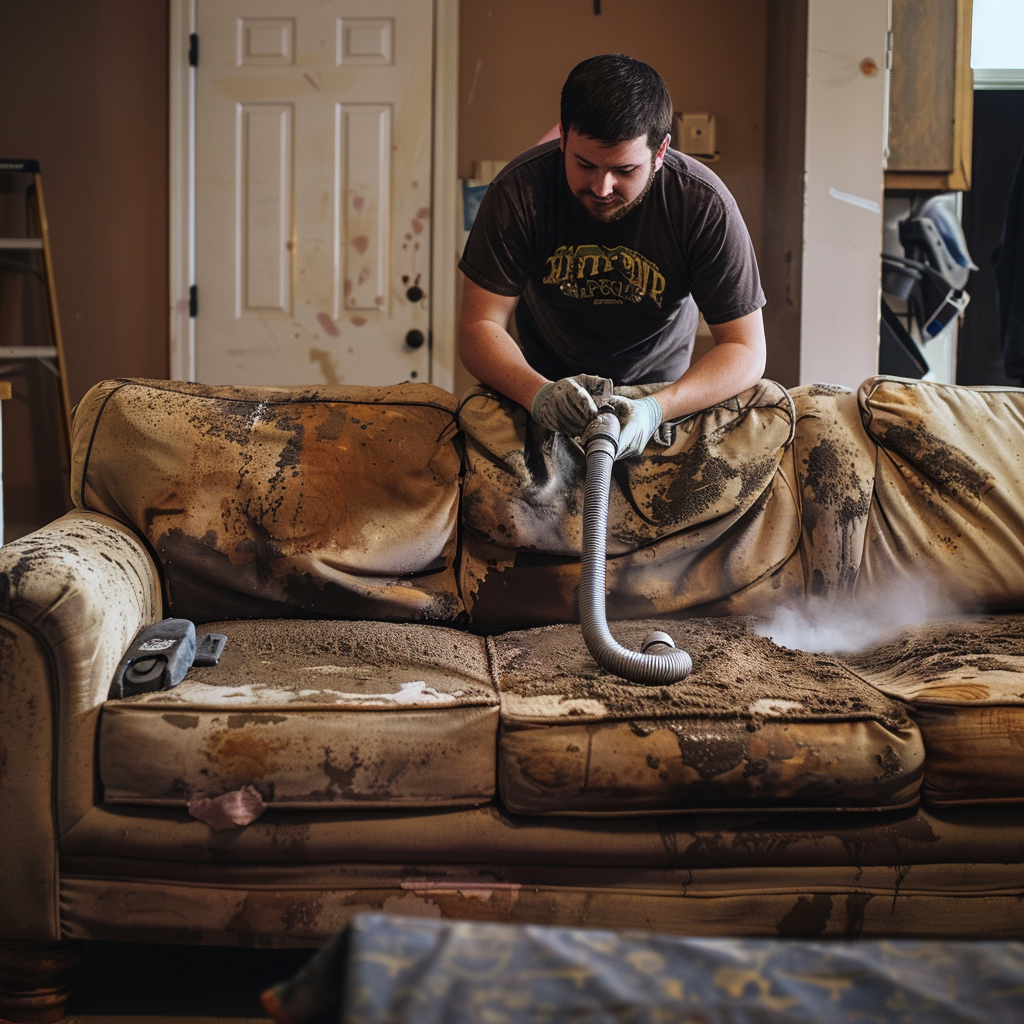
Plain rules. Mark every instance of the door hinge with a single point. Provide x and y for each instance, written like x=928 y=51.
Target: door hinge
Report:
x=193 y=300
x=193 y=50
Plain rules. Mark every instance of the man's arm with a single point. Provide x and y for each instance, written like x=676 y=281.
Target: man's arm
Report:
x=486 y=348
x=733 y=365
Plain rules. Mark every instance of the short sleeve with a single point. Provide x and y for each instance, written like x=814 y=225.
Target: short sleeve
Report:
x=725 y=282
x=497 y=256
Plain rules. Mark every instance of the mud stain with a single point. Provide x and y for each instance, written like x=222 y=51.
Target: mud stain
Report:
x=182 y=721
x=240 y=754
x=951 y=469
x=808 y=917
x=328 y=324
x=325 y=362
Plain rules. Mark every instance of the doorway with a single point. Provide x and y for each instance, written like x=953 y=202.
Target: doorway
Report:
x=313 y=237
x=998 y=149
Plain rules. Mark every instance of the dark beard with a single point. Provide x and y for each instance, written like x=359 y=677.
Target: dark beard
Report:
x=618 y=212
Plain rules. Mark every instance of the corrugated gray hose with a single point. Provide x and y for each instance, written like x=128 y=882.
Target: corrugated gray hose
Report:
x=659 y=661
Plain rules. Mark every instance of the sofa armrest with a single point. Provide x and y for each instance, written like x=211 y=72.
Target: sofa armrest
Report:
x=72 y=597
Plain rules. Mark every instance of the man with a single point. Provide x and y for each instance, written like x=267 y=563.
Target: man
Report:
x=605 y=245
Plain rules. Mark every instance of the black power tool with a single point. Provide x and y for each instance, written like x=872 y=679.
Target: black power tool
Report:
x=161 y=654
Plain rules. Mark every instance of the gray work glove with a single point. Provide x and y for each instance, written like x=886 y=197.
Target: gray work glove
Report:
x=639 y=418
x=566 y=406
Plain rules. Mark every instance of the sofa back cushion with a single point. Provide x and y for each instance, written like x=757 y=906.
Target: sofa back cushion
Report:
x=335 y=502
x=689 y=524
x=948 y=508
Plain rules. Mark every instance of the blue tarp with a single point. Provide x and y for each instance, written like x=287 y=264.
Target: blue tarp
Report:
x=388 y=970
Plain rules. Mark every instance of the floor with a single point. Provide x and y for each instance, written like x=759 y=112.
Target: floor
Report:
x=117 y=983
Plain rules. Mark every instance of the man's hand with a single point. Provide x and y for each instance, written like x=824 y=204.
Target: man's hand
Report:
x=566 y=406
x=638 y=420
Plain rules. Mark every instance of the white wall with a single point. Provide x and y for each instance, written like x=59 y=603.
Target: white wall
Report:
x=845 y=144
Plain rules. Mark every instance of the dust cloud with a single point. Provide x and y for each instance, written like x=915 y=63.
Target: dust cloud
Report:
x=850 y=624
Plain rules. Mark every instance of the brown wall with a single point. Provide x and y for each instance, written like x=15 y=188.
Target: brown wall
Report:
x=514 y=57
x=83 y=89
x=781 y=256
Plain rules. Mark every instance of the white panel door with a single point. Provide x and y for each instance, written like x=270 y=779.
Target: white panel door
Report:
x=847 y=99
x=313 y=150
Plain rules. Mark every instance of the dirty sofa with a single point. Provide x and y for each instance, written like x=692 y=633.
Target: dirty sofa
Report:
x=405 y=687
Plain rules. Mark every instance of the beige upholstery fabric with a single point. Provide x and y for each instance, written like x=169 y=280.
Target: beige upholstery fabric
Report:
x=274 y=507
x=753 y=726
x=281 y=502
x=85 y=586
x=28 y=850
x=167 y=843
x=948 y=505
x=835 y=461
x=314 y=714
x=964 y=682
x=830 y=471
x=72 y=595
x=688 y=525
x=315 y=902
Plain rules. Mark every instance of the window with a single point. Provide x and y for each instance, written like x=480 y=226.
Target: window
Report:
x=997 y=44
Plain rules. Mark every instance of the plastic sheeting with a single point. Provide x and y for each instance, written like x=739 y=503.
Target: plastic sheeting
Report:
x=389 y=970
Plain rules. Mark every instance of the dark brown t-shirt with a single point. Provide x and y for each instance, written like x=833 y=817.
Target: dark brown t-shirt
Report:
x=616 y=299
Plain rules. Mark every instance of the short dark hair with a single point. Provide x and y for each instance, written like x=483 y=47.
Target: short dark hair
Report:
x=614 y=98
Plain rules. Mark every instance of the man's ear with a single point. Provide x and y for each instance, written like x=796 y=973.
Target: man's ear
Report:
x=659 y=157
x=561 y=136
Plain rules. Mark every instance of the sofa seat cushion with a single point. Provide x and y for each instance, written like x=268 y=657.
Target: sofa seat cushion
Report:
x=314 y=715
x=261 y=502
x=688 y=525
x=753 y=726
x=964 y=683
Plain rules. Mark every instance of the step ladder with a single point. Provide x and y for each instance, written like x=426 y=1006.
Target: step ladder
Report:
x=25 y=253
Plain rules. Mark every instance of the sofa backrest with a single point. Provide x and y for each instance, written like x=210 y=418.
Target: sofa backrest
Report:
x=949 y=490
x=909 y=491
x=337 y=502
x=344 y=502
x=689 y=525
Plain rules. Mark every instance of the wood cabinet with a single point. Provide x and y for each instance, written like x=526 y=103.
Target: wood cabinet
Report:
x=931 y=98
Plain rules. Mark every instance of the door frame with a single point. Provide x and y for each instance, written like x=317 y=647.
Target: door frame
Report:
x=444 y=191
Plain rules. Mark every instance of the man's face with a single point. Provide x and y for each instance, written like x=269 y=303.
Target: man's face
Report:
x=609 y=180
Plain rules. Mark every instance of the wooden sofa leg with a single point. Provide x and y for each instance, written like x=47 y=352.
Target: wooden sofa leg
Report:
x=35 y=980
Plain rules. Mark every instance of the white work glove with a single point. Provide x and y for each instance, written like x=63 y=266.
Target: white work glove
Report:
x=639 y=418
x=566 y=406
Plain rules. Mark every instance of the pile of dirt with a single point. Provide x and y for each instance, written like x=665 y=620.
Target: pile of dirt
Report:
x=735 y=673
x=973 y=659
x=350 y=656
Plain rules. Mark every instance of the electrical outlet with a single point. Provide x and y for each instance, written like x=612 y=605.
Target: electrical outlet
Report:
x=695 y=134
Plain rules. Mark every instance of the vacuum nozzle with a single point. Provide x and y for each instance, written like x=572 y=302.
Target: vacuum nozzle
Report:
x=656 y=642
x=602 y=430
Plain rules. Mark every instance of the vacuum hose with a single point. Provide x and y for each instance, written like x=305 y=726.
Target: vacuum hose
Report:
x=659 y=662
